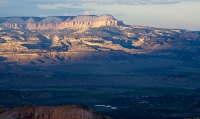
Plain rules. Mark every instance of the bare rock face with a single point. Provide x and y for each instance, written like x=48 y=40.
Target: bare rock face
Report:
x=48 y=112
x=59 y=23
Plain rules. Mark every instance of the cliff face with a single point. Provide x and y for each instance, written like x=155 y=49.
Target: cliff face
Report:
x=61 y=112
x=58 y=23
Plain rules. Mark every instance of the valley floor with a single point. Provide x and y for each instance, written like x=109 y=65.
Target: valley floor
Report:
x=114 y=101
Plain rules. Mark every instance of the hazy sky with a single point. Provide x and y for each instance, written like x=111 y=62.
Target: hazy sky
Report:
x=183 y=14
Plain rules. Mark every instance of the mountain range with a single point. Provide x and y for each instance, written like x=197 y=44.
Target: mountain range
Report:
x=98 y=43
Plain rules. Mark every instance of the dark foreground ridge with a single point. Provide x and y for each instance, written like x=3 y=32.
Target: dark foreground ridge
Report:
x=49 y=112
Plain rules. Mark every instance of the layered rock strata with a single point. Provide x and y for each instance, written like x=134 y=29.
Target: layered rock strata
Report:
x=58 y=23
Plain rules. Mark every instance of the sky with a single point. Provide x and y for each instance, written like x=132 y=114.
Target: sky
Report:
x=184 y=14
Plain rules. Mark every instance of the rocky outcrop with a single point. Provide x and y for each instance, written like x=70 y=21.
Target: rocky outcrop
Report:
x=59 y=23
x=48 y=112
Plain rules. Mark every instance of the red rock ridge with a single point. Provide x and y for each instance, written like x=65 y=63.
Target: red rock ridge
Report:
x=49 y=112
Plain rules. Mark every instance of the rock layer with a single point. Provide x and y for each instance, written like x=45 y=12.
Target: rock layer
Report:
x=58 y=23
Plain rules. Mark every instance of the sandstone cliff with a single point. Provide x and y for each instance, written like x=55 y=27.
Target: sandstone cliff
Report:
x=48 y=112
x=58 y=23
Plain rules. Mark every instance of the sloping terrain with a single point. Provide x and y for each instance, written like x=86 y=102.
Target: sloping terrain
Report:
x=49 y=112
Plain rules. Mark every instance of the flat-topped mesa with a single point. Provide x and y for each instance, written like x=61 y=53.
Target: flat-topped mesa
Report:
x=59 y=22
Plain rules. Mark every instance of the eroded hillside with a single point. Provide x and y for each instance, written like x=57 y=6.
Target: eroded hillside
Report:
x=35 y=40
x=61 y=112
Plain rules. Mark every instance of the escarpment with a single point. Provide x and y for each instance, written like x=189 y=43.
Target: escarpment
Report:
x=83 y=39
x=58 y=23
